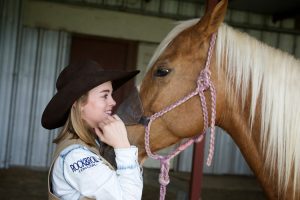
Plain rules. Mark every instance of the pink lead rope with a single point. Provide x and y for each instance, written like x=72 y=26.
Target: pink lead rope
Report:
x=203 y=83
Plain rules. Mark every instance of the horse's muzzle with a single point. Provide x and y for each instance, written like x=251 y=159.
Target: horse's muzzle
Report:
x=131 y=109
x=144 y=121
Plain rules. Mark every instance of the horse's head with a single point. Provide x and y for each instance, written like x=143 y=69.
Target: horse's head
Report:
x=256 y=98
x=174 y=70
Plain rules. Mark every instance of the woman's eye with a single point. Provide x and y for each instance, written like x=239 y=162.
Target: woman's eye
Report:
x=105 y=96
x=161 y=72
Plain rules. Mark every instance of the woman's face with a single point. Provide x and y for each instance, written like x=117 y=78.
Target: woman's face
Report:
x=99 y=104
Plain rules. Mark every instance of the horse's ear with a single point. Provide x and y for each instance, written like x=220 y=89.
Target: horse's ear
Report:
x=214 y=16
x=210 y=4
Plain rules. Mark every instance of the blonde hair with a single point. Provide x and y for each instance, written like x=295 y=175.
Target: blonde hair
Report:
x=76 y=126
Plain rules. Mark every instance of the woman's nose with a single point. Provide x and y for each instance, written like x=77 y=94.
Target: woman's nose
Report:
x=112 y=102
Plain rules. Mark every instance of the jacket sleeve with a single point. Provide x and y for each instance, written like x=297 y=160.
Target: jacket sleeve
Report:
x=86 y=173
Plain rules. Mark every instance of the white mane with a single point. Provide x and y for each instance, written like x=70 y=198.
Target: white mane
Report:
x=275 y=76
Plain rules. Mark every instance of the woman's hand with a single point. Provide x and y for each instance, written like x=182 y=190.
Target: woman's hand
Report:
x=112 y=131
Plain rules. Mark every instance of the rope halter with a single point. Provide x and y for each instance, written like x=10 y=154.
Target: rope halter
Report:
x=203 y=83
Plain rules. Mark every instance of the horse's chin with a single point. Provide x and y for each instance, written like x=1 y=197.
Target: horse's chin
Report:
x=136 y=134
x=142 y=159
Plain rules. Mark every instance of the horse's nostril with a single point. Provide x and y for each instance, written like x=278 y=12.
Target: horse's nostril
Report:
x=144 y=120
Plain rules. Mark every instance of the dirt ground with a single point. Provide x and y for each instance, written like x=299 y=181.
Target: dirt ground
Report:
x=25 y=184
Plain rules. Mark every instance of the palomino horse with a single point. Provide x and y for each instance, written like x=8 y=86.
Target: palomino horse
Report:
x=257 y=98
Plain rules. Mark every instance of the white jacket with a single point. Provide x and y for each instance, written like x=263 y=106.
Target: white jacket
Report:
x=79 y=172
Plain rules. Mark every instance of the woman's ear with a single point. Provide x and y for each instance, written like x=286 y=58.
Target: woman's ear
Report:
x=74 y=105
x=77 y=105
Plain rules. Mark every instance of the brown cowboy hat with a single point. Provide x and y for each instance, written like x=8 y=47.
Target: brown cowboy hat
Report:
x=74 y=81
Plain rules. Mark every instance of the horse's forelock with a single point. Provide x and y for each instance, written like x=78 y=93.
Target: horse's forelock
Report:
x=171 y=35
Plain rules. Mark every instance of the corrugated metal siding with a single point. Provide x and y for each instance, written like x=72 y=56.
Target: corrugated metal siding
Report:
x=9 y=28
x=30 y=63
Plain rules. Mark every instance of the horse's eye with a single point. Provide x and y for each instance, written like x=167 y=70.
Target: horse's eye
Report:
x=161 y=72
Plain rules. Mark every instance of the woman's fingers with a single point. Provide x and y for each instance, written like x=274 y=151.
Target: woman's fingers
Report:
x=117 y=117
x=113 y=132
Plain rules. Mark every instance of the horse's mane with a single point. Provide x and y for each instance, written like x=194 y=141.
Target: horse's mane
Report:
x=272 y=75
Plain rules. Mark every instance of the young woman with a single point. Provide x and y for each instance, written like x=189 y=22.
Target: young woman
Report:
x=83 y=105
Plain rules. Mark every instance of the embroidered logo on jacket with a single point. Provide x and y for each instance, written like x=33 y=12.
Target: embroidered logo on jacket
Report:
x=84 y=164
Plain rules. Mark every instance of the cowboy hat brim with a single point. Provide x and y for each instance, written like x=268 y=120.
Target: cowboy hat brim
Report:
x=57 y=110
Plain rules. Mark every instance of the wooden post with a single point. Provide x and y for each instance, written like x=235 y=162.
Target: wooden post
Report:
x=197 y=171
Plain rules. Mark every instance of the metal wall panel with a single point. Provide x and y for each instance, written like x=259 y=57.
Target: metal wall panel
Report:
x=31 y=59
x=42 y=56
x=9 y=28
x=22 y=100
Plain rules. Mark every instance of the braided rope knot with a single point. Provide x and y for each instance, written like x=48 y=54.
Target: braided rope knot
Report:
x=203 y=82
x=164 y=178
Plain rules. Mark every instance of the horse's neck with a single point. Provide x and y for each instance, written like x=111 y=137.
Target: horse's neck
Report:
x=236 y=125
x=235 y=122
